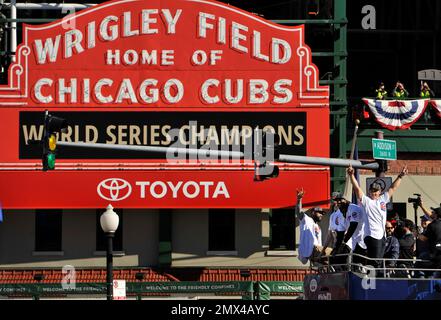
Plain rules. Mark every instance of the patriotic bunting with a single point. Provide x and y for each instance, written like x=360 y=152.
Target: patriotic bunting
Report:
x=437 y=105
x=396 y=114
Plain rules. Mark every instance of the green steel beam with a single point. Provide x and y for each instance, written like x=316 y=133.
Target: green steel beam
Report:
x=339 y=103
x=334 y=81
x=339 y=113
x=338 y=121
x=29 y=20
x=334 y=21
x=287 y=21
x=340 y=180
x=329 y=54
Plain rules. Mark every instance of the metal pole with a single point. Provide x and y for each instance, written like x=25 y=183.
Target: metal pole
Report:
x=340 y=92
x=50 y=6
x=348 y=192
x=13 y=29
x=333 y=162
x=379 y=135
x=167 y=150
x=109 y=263
x=354 y=139
x=233 y=154
x=415 y=212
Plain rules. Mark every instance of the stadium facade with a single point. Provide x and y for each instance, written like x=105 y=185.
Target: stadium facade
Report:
x=198 y=214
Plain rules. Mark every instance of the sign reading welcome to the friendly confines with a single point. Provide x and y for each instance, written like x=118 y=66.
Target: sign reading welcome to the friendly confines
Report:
x=163 y=54
x=130 y=72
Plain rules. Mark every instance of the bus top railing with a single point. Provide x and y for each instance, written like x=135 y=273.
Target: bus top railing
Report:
x=399 y=269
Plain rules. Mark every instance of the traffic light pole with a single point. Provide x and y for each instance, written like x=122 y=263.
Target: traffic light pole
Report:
x=333 y=162
x=167 y=150
x=380 y=172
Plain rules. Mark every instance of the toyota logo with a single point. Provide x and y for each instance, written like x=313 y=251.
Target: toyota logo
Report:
x=114 y=189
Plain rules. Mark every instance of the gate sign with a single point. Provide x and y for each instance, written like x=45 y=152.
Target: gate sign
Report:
x=163 y=54
x=384 y=149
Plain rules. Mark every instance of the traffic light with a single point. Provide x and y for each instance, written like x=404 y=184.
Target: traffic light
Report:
x=265 y=152
x=270 y=146
x=265 y=170
x=52 y=126
x=2 y=22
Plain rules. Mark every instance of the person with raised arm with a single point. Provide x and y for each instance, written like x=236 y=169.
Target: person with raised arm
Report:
x=310 y=247
x=374 y=206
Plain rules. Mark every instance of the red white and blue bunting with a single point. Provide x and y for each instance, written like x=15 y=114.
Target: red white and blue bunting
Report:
x=437 y=105
x=397 y=114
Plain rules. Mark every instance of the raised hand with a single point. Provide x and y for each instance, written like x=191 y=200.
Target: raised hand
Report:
x=300 y=193
x=404 y=171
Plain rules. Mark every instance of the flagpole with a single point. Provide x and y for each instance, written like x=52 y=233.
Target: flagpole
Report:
x=348 y=191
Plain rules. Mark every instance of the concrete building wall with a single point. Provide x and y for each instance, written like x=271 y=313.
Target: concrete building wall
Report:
x=249 y=232
x=189 y=235
x=17 y=240
x=17 y=237
x=141 y=237
x=427 y=186
x=190 y=242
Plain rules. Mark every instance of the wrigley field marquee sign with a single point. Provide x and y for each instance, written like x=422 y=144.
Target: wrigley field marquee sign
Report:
x=133 y=72
x=185 y=53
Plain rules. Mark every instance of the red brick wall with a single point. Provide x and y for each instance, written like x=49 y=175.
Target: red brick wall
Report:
x=417 y=163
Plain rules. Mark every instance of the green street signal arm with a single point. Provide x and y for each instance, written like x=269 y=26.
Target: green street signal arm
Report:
x=333 y=162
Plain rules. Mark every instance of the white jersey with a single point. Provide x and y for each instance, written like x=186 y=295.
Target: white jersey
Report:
x=310 y=236
x=376 y=212
x=337 y=221
x=355 y=213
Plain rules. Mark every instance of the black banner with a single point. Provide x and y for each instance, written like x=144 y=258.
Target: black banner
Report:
x=221 y=131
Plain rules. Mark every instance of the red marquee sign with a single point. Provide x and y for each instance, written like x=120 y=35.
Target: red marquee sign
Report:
x=163 y=54
x=160 y=189
x=109 y=67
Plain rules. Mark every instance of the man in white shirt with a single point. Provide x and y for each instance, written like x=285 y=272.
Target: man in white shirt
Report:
x=310 y=246
x=352 y=235
x=336 y=223
x=375 y=209
x=354 y=224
